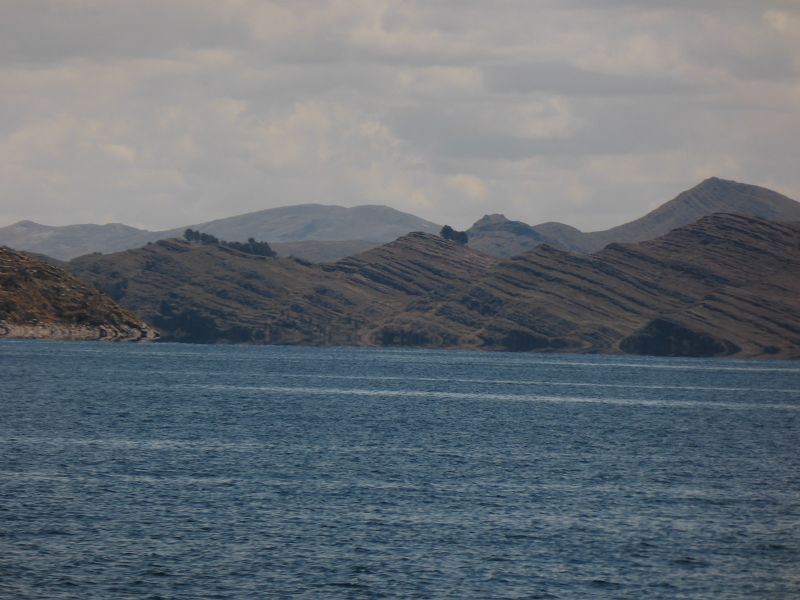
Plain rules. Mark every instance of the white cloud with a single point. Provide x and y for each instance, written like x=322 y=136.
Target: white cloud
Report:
x=472 y=187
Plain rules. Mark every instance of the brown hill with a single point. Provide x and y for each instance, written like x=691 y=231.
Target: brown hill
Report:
x=40 y=300
x=498 y=236
x=215 y=294
x=725 y=285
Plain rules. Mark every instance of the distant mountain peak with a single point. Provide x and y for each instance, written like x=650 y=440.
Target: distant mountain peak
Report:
x=492 y=219
x=498 y=236
x=714 y=179
x=27 y=224
x=710 y=196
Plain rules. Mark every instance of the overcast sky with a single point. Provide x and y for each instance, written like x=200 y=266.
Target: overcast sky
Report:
x=161 y=113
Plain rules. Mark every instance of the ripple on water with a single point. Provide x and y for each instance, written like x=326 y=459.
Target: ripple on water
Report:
x=169 y=471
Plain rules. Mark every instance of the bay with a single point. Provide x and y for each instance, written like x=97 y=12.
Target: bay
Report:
x=184 y=471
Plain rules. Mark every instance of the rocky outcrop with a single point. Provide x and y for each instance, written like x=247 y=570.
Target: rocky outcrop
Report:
x=497 y=236
x=40 y=300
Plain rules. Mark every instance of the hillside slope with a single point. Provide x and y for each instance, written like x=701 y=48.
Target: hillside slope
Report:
x=215 y=294
x=726 y=285
x=39 y=300
x=320 y=252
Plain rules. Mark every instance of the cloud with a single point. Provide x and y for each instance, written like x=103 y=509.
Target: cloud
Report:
x=571 y=80
x=472 y=187
x=163 y=113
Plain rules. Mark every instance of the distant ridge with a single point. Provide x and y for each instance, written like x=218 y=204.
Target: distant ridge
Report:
x=711 y=196
x=498 y=236
x=322 y=233
x=318 y=222
x=360 y=226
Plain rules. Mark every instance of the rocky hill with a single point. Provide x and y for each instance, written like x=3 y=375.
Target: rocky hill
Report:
x=302 y=226
x=215 y=294
x=40 y=300
x=500 y=237
x=726 y=285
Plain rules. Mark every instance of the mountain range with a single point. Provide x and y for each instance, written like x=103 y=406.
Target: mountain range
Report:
x=321 y=233
x=343 y=230
x=725 y=285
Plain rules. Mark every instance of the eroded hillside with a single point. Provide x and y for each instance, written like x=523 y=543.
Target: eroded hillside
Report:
x=725 y=285
x=215 y=294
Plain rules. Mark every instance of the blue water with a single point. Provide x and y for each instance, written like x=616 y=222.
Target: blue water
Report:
x=180 y=471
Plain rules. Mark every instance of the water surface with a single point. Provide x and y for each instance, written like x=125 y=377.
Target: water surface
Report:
x=181 y=471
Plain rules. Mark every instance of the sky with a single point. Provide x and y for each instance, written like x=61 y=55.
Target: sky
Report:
x=162 y=113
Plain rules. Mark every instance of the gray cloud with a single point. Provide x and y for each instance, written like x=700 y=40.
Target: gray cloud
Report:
x=50 y=31
x=570 y=80
x=607 y=127
x=162 y=113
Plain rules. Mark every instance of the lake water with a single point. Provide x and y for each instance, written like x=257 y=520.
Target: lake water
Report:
x=182 y=471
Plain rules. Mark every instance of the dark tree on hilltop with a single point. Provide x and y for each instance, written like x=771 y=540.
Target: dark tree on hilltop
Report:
x=459 y=237
x=249 y=247
x=209 y=240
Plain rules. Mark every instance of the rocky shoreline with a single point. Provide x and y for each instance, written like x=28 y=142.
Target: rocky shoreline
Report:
x=65 y=331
